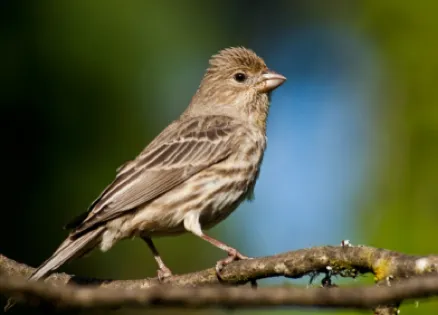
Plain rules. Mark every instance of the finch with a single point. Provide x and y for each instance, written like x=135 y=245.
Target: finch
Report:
x=193 y=175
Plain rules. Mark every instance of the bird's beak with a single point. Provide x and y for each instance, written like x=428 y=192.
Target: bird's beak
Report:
x=269 y=81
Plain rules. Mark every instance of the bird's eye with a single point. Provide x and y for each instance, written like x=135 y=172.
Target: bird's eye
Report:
x=240 y=77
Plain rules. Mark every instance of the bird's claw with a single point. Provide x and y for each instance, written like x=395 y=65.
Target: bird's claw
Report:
x=164 y=273
x=233 y=255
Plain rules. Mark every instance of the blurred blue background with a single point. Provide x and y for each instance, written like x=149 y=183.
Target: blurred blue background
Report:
x=352 y=135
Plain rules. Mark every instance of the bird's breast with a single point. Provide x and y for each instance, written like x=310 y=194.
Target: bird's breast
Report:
x=230 y=183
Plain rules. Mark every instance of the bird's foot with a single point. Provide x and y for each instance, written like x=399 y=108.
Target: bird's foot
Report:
x=164 y=273
x=233 y=255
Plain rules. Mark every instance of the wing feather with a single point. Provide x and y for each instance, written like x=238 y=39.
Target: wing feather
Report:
x=180 y=151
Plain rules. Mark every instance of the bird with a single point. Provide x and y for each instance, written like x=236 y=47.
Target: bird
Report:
x=193 y=175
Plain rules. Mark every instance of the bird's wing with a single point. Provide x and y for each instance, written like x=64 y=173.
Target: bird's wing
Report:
x=180 y=151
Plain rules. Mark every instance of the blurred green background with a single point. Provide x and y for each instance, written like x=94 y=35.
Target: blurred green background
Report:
x=85 y=85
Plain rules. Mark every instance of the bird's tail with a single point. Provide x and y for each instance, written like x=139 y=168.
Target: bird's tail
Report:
x=67 y=251
x=70 y=249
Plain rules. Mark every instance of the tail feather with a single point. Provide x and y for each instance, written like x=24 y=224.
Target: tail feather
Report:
x=67 y=251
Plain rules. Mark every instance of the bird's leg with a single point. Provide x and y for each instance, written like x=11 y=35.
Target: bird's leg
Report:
x=163 y=271
x=233 y=254
x=192 y=224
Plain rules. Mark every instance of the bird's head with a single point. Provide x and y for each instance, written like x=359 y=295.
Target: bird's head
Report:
x=238 y=83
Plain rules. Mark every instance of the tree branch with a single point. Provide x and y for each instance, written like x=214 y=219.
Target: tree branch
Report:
x=73 y=296
x=346 y=261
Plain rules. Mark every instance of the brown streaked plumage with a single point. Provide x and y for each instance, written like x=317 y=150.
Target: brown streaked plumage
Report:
x=193 y=174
